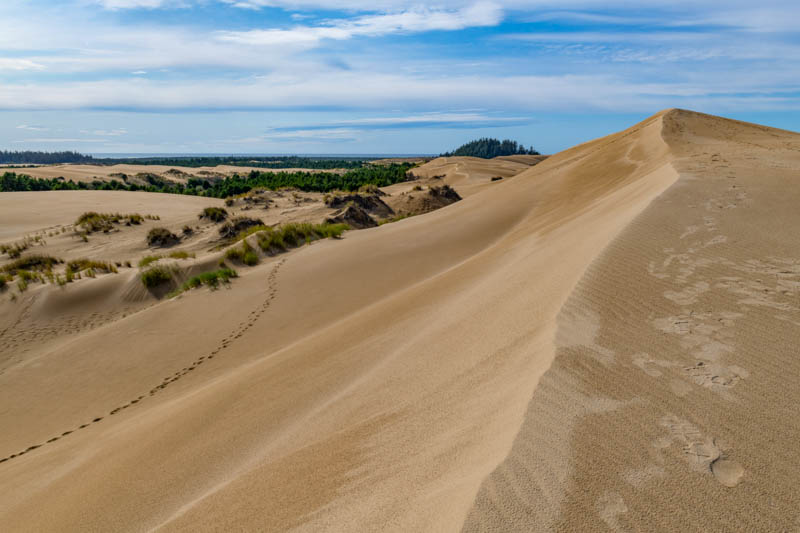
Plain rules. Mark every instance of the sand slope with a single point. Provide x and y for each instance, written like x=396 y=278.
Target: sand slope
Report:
x=388 y=381
x=470 y=175
x=672 y=403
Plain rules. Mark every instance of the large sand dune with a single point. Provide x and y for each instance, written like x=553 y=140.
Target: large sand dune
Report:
x=603 y=341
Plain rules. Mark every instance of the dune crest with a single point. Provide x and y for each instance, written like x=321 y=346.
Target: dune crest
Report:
x=672 y=415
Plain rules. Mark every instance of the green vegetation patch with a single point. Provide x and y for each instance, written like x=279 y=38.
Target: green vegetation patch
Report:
x=177 y=254
x=489 y=148
x=351 y=180
x=244 y=254
x=31 y=262
x=210 y=279
x=79 y=265
x=92 y=221
x=157 y=276
x=161 y=237
x=276 y=240
x=214 y=214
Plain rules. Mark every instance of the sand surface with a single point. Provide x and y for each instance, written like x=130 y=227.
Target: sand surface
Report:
x=604 y=341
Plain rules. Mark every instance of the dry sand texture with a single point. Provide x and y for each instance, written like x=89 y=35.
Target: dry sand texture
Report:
x=672 y=404
x=388 y=381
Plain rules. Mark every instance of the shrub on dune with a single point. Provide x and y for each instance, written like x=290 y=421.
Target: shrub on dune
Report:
x=275 y=240
x=214 y=214
x=210 y=279
x=92 y=221
x=32 y=262
x=156 y=276
x=244 y=254
x=77 y=265
x=161 y=237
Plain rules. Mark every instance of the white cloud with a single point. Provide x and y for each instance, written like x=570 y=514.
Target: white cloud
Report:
x=379 y=91
x=57 y=140
x=141 y=4
x=19 y=64
x=31 y=128
x=419 y=19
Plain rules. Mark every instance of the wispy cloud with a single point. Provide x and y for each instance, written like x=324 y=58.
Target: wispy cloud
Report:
x=31 y=128
x=419 y=19
x=19 y=64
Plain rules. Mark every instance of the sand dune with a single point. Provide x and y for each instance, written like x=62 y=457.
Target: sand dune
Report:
x=471 y=174
x=602 y=341
x=88 y=173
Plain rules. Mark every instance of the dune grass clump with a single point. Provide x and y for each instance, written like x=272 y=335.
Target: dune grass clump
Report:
x=15 y=250
x=234 y=227
x=146 y=260
x=32 y=262
x=396 y=218
x=156 y=276
x=276 y=240
x=92 y=221
x=210 y=279
x=214 y=214
x=244 y=254
x=177 y=254
x=3 y=282
x=161 y=237
x=90 y=266
x=86 y=264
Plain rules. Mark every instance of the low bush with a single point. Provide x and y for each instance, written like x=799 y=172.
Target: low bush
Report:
x=234 y=227
x=156 y=276
x=215 y=214
x=32 y=262
x=92 y=221
x=210 y=279
x=244 y=254
x=78 y=265
x=161 y=237
x=146 y=260
x=275 y=240
x=181 y=254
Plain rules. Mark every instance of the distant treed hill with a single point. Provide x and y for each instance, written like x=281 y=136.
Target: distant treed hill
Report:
x=43 y=158
x=52 y=158
x=489 y=148
x=380 y=175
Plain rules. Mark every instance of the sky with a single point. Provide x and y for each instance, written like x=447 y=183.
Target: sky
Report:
x=381 y=76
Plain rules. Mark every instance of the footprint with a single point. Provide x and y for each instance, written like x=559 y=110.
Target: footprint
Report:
x=727 y=472
x=703 y=453
x=610 y=506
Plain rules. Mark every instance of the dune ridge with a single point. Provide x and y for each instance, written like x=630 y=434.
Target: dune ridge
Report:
x=661 y=411
x=406 y=378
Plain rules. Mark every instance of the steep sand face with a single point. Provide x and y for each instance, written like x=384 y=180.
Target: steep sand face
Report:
x=367 y=384
x=672 y=402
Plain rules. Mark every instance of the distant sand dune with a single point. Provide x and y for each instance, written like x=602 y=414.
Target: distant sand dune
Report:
x=602 y=341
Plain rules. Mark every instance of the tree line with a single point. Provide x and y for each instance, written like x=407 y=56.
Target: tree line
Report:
x=42 y=158
x=488 y=148
x=379 y=175
x=29 y=157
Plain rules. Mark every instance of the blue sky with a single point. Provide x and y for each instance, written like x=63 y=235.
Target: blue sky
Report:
x=380 y=76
